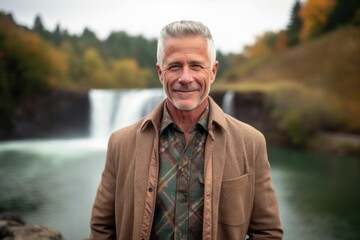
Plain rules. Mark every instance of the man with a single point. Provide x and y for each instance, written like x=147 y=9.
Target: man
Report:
x=187 y=170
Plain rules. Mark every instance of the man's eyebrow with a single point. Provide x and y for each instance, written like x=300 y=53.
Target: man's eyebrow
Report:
x=196 y=62
x=172 y=63
x=177 y=62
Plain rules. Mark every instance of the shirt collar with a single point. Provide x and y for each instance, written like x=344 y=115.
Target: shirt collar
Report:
x=216 y=118
x=167 y=120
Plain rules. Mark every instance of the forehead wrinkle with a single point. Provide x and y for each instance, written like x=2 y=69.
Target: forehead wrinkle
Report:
x=185 y=50
x=189 y=57
x=185 y=59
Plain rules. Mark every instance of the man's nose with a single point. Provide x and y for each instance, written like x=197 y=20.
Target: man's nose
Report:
x=185 y=76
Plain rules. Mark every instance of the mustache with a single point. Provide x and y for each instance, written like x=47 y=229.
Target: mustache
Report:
x=185 y=88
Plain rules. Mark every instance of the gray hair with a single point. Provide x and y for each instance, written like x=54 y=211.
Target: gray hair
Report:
x=185 y=28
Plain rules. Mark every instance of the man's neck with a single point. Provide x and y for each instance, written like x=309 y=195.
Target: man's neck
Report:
x=186 y=120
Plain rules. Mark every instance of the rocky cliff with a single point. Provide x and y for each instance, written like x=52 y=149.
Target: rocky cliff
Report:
x=67 y=114
x=52 y=114
x=252 y=108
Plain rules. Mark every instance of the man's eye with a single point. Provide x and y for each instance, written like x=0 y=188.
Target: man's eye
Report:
x=196 y=67
x=174 y=67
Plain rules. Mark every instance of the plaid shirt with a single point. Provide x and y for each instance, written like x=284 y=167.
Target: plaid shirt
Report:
x=180 y=196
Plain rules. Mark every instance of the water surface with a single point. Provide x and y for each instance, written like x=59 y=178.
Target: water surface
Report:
x=54 y=183
x=318 y=194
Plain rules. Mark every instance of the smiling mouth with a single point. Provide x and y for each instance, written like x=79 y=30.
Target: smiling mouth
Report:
x=185 y=90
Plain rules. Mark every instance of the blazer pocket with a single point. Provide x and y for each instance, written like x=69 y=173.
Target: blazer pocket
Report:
x=234 y=199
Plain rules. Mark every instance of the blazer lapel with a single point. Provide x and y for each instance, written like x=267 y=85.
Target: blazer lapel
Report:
x=218 y=162
x=143 y=154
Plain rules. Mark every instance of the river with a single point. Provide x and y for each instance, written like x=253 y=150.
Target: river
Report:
x=53 y=182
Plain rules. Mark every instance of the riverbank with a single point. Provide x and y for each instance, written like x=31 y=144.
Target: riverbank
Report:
x=337 y=143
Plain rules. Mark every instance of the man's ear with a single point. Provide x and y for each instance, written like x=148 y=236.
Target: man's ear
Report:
x=159 y=72
x=214 y=71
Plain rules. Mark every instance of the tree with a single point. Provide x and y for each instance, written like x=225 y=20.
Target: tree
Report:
x=96 y=74
x=224 y=63
x=128 y=74
x=89 y=38
x=343 y=13
x=282 y=41
x=40 y=29
x=38 y=25
x=57 y=36
x=263 y=47
x=29 y=65
x=314 y=15
x=295 y=24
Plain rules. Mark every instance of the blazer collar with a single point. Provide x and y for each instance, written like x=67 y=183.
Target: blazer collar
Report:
x=216 y=117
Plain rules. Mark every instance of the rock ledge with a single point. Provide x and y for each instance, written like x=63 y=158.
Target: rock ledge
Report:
x=12 y=227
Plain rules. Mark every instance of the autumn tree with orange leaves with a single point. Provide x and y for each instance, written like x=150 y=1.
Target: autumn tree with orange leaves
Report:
x=314 y=15
x=28 y=64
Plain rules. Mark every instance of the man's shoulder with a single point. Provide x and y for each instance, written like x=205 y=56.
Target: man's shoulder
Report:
x=241 y=129
x=127 y=131
x=149 y=121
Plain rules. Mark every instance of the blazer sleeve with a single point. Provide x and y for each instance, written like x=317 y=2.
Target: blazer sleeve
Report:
x=265 y=219
x=102 y=223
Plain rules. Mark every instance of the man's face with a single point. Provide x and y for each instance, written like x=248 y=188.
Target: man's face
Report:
x=186 y=73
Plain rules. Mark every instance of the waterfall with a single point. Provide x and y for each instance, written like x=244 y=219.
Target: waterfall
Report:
x=114 y=109
x=228 y=103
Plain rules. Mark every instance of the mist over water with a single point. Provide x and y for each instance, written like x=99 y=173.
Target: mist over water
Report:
x=53 y=182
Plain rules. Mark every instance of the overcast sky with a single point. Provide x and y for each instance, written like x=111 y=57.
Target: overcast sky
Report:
x=233 y=23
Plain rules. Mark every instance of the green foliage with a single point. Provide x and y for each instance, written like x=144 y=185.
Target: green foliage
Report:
x=321 y=16
x=39 y=29
x=121 y=46
x=117 y=46
x=356 y=19
x=301 y=111
x=344 y=12
x=89 y=39
x=28 y=66
x=42 y=58
x=128 y=74
x=95 y=72
x=224 y=63
x=242 y=65
x=295 y=24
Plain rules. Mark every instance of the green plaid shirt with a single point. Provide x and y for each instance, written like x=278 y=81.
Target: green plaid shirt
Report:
x=180 y=196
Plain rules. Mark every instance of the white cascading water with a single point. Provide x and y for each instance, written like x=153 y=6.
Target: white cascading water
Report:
x=112 y=109
x=228 y=103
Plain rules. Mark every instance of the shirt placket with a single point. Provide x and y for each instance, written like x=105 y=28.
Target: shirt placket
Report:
x=183 y=191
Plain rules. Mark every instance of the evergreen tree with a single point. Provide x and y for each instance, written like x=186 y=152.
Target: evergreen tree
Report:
x=57 y=36
x=40 y=29
x=38 y=25
x=295 y=24
x=343 y=13
x=89 y=38
x=224 y=63
x=118 y=45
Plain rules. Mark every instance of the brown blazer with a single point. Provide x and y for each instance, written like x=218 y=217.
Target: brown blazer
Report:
x=239 y=198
